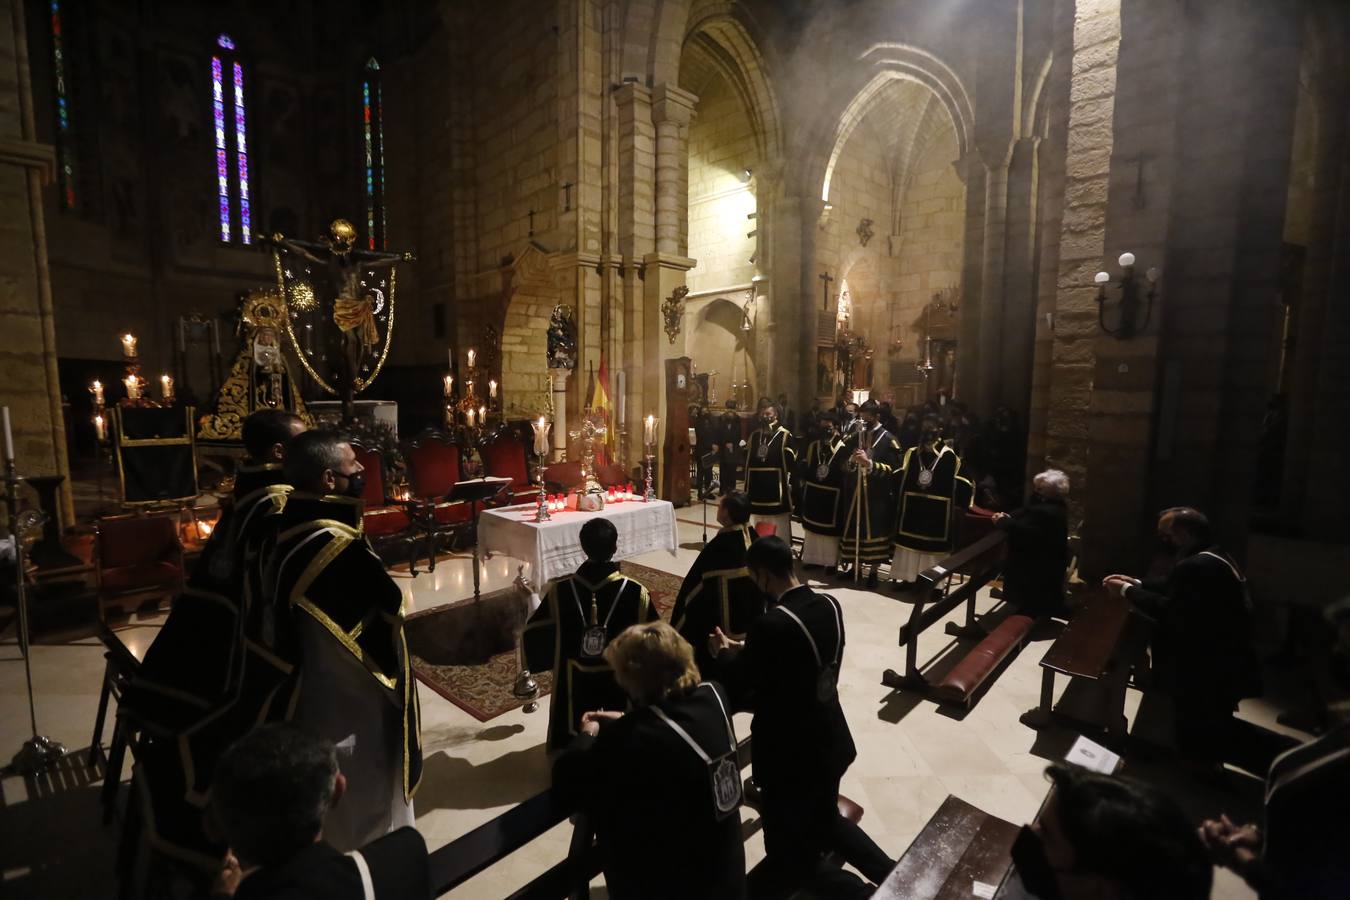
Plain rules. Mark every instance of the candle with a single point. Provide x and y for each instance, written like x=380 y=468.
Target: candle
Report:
x=469 y=414
x=482 y=414
x=9 y=438
x=623 y=406
x=449 y=385
x=541 y=429
x=472 y=356
x=649 y=430
x=204 y=529
x=450 y=358
x=468 y=386
x=97 y=390
x=133 y=385
x=492 y=390
x=166 y=387
x=129 y=345
x=100 y=428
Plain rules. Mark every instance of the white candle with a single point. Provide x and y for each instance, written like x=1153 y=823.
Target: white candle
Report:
x=468 y=386
x=450 y=358
x=492 y=390
x=100 y=428
x=482 y=414
x=472 y=356
x=166 y=387
x=97 y=389
x=9 y=438
x=133 y=385
x=129 y=345
x=623 y=405
x=469 y=414
x=449 y=385
x=649 y=430
x=541 y=429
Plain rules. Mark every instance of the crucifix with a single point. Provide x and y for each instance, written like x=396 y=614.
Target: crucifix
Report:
x=531 y=223
x=825 y=279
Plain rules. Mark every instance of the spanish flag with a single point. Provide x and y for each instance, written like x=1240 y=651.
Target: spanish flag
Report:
x=599 y=402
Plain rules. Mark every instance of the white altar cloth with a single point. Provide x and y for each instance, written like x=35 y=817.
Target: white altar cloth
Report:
x=553 y=548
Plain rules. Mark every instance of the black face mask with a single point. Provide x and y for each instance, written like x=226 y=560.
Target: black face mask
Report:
x=356 y=486
x=1033 y=867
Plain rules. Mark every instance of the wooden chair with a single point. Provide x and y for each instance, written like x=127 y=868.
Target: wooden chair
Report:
x=138 y=557
x=433 y=469
x=505 y=458
x=562 y=477
x=385 y=522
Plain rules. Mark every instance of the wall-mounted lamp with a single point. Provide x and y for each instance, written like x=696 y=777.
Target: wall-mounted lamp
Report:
x=1128 y=307
x=746 y=175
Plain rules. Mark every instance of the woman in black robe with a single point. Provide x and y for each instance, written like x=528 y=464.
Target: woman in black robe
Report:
x=1038 y=547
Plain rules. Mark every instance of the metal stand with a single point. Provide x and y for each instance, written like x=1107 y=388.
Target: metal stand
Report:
x=649 y=494
x=541 y=510
x=39 y=752
x=526 y=688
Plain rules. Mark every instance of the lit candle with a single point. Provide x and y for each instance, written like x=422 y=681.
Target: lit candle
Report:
x=204 y=529
x=166 y=387
x=100 y=428
x=449 y=385
x=472 y=356
x=649 y=430
x=133 y=385
x=469 y=414
x=129 y=345
x=9 y=438
x=482 y=414
x=541 y=429
x=97 y=390
x=492 y=390
x=468 y=386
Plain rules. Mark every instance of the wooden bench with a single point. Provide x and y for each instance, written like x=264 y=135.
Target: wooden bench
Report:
x=979 y=563
x=959 y=846
x=1100 y=645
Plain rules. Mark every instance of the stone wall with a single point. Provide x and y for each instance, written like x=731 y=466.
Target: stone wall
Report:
x=721 y=148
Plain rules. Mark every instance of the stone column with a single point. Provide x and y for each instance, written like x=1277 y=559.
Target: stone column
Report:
x=636 y=232
x=1017 y=331
x=972 y=172
x=672 y=110
x=993 y=288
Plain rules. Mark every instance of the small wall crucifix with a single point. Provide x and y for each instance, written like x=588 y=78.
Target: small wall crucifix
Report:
x=825 y=279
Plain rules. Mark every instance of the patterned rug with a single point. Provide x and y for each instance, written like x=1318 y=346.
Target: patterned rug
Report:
x=465 y=651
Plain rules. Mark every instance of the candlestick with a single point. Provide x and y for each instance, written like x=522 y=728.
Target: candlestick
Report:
x=492 y=390
x=129 y=345
x=469 y=414
x=468 y=388
x=9 y=445
x=649 y=430
x=542 y=505
x=649 y=494
x=100 y=428
x=166 y=388
x=97 y=390
x=541 y=429
x=133 y=385
x=449 y=385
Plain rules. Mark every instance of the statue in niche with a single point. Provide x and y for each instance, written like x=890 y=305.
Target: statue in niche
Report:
x=562 y=339
x=864 y=231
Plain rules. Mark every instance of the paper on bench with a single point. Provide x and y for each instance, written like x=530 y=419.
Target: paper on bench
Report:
x=1092 y=756
x=980 y=889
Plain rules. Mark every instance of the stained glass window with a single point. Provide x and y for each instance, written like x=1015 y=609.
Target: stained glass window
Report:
x=232 y=181
x=65 y=138
x=372 y=131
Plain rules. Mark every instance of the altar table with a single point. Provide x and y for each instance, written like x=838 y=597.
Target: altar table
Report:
x=553 y=548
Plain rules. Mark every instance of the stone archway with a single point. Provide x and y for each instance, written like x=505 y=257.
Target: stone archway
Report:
x=718 y=344
x=524 y=352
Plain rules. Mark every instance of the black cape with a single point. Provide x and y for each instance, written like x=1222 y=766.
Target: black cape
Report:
x=925 y=518
x=823 y=480
x=718 y=592
x=869 y=519
x=597 y=595
x=769 y=461
x=1038 y=552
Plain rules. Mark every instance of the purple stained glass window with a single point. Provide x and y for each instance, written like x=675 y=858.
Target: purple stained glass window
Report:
x=222 y=159
x=372 y=131
x=241 y=156
x=232 y=180
x=225 y=42
x=65 y=140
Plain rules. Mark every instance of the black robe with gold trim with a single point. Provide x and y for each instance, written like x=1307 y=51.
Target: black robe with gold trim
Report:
x=718 y=592
x=597 y=595
x=869 y=518
x=321 y=567
x=769 y=461
x=823 y=498
x=925 y=515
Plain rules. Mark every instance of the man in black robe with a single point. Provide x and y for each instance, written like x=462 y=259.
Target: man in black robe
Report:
x=196 y=676
x=769 y=463
x=822 y=477
x=717 y=591
x=705 y=448
x=729 y=445
x=325 y=584
x=931 y=492
x=1203 y=645
x=873 y=458
x=787 y=671
x=1038 y=547
x=580 y=614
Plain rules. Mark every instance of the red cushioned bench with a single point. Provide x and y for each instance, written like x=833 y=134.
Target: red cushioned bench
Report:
x=962 y=682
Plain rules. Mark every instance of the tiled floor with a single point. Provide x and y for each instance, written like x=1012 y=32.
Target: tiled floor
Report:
x=911 y=754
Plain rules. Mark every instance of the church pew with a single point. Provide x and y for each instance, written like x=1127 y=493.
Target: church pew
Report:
x=491 y=842
x=979 y=562
x=965 y=679
x=958 y=847
x=1100 y=646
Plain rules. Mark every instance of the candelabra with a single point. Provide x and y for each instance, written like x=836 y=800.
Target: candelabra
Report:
x=1129 y=298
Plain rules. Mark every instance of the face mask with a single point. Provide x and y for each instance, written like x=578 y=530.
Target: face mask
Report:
x=356 y=485
x=1033 y=867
